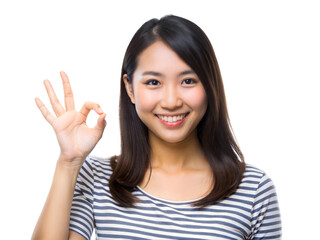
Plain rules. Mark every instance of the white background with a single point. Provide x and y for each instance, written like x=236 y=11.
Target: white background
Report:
x=269 y=57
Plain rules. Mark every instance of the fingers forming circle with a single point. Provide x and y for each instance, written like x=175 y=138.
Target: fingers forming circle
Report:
x=88 y=106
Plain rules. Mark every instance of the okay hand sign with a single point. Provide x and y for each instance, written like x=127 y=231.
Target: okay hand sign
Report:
x=75 y=138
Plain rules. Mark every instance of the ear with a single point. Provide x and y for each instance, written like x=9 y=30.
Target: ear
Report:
x=129 y=88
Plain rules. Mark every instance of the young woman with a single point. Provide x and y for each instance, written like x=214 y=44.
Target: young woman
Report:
x=180 y=174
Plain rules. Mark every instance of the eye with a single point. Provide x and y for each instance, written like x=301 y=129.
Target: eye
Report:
x=189 y=81
x=152 y=82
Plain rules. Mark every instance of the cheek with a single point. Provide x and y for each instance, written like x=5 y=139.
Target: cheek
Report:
x=197 y=99
x=144 y=100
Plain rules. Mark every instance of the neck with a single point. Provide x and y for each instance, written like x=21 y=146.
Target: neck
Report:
x=176 y=156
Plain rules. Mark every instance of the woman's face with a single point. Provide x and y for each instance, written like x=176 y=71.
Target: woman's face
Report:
x=169 y=97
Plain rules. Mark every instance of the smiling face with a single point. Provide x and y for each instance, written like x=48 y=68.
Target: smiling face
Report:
x=168 y=95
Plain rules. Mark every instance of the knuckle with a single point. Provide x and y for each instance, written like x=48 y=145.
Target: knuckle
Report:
x=68 y=94
x=89 y=104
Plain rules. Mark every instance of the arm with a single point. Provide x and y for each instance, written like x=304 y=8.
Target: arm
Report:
x=76 y=141
x=54 y=219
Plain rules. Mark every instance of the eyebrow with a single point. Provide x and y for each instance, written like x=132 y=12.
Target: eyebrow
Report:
x=157 y=74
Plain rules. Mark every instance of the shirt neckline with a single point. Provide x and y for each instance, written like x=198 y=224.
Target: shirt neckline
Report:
x=166 y=200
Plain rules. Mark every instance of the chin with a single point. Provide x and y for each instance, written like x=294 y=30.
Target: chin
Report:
x=172 y=138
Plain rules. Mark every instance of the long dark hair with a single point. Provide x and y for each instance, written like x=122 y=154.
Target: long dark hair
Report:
x=214 y=130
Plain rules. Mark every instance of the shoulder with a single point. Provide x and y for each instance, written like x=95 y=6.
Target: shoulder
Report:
x=96 y=167
x=253 y=170
x=97 y=162
x=254 y=174
x=259 y=181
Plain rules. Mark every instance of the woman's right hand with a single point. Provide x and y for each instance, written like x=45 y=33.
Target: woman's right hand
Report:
x=75 y=138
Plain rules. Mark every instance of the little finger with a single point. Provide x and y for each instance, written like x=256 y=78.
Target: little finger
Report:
x=45 y=112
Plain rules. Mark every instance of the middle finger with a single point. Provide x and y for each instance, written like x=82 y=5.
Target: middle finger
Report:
x=68 y=95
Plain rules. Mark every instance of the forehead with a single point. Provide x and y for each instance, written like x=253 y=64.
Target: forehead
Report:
x=161 y=58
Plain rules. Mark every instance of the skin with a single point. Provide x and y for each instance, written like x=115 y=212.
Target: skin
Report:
x=164 y=85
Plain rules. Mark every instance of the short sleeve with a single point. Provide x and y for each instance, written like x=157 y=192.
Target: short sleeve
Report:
x=266 y=222
x=81 y=217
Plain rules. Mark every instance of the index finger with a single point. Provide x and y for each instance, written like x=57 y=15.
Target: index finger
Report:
x=68 y=94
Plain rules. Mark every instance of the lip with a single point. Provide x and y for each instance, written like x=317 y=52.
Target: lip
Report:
x=172 y=124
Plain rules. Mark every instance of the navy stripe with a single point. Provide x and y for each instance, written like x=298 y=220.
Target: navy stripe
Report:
x=80 y=231
x=75 y=217
x=88 y=214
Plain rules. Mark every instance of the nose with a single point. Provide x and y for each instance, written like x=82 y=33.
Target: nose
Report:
x=171 y=98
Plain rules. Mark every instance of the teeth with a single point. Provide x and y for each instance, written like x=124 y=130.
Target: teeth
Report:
x=171 y=118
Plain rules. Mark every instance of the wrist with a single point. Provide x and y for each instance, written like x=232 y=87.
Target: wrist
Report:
x=69 y=162
x=67 y=173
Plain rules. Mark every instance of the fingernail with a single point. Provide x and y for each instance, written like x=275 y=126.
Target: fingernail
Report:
x=100 y=110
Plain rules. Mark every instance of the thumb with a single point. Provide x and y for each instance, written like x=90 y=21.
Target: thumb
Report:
x=101 y=124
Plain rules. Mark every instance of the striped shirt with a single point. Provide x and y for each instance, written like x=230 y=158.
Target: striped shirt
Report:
x=250 y=213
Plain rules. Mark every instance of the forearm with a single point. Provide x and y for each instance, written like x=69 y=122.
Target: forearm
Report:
x=54 y=220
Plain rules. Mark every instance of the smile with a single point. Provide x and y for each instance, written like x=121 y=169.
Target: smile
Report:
x=172 y=120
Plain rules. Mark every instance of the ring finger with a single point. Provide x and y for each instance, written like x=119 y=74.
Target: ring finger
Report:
x=56 y=105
